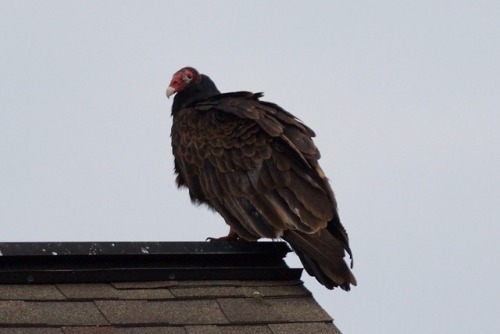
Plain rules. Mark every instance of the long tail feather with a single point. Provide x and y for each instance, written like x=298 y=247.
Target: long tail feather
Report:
x=323 y=257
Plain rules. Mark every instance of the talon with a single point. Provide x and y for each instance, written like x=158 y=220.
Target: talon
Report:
x=232 y=236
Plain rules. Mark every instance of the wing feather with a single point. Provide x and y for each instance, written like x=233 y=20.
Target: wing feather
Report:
x=257 y=165
x=242 y=162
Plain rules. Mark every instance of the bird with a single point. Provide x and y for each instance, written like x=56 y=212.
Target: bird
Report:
x=256 y=165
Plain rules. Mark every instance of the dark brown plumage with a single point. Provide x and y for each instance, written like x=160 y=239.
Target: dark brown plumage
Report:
x=256 y=164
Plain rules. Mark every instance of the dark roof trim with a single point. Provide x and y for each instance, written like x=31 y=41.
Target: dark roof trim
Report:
x=277 y=249
x=79 y=262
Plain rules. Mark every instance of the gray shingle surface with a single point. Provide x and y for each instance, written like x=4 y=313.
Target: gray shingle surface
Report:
x=208 y=291
x=50 y=313
x=30 y=292
x=162 y=312
x=241 y=291
x=90 y=330
x=107 y=291
x=170 y=307
x=255 y=310
x=25 y=330
x=242 y=329
x=124 y=330
x=276 y=291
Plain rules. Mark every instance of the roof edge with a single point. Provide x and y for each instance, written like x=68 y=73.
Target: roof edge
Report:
x=85 y=262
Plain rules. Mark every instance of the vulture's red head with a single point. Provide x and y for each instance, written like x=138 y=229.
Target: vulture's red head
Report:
x=182 y=79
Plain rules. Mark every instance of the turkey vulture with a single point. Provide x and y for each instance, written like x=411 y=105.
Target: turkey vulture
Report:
x=257 y=166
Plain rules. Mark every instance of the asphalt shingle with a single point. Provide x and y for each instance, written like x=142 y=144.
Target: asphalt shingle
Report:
x=107 y=291
x=185 y=312
x=124 y=330
x=238 y=291
x=30 y=292
x=33 y=330
x=50 y=313
x=276 y=291
x=245 y=329
x=91 y=305
x=91 y=330
x=260 y=310
x=208 y=291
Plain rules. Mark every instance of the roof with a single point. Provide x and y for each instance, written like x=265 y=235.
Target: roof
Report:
x=226 y=297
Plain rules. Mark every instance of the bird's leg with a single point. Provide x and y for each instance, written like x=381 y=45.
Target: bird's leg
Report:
x=231 y=236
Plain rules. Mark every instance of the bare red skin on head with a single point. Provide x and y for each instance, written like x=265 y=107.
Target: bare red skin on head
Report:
x=182 y=78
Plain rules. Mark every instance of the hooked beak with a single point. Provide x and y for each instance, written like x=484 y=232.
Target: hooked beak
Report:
x=170 y=91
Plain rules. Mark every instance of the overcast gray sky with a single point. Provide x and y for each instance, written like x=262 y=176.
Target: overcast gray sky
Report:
x=403 y=96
